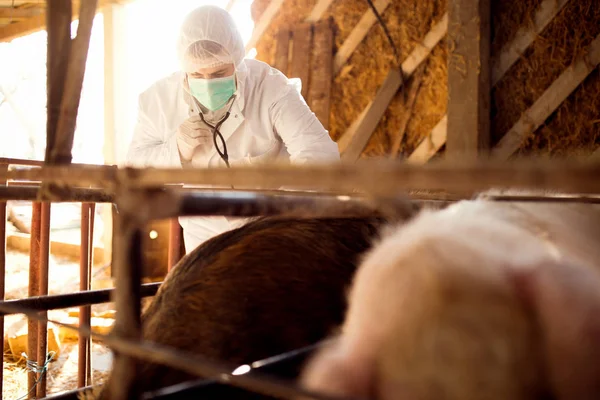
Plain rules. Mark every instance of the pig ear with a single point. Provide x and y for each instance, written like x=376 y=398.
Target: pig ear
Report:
x=565 y=301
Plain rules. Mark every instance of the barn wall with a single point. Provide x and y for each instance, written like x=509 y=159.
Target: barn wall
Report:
x=574 y=128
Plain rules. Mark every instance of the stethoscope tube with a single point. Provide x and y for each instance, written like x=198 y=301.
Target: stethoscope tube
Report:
x=215 y=132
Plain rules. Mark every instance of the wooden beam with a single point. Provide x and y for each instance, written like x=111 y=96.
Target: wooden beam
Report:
x=38 y=23
x=65 y=131
x=19 y=13
x=409 y=105
x=431 y=144
x=357 y=136
x=374 y=177
x=376 y=108
x=510 y=53
x=514 y=49
x=319 y=94
x=282 y=48
x=549 y=101
x=229 y=5
x=57 y=55
x=357 y=35
x=468 y=78
x=300 y=63
x=264 y=22
x=318 y=10
x=26 y=27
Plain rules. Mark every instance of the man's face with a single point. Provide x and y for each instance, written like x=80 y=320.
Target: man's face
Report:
x=211 y=73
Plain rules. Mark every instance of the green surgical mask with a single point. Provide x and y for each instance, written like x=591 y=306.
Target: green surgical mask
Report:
x=212 y=93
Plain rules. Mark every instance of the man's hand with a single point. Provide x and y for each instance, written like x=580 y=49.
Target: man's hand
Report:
x=191 y=134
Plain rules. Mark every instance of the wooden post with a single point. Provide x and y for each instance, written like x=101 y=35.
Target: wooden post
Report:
x=282 y=51
x=114 y=107
x=58 y=48
x=319 y=93
x=301 y=48
x=468 y=78
x=61 y=152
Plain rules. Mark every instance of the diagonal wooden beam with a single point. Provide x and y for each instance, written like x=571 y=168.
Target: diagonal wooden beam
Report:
x=431 y=144
x=513 y=50
x=357 y=136
x=548 y=102
x=318 y=10
x=263 y=23
x=357 y=35
x=510 y=53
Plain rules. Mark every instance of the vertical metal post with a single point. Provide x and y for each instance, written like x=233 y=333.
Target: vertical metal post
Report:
x=127 y=270
x=174 y=243
x=85 y=311
x=34 y=285
x=43 y=290
x=89 y=286
x=3 y=168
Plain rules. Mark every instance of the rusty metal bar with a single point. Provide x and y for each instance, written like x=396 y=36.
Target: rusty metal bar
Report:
x=89 y=284
x=34 y=284
x=3 y=167
x=58 y=301
x=84 y=311
x=128 y=273
x=374 y=177
x=75 y=195
x=43 y=290
x=174 y=243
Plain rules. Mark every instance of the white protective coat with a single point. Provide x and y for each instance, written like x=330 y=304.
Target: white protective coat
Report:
x=269 y=118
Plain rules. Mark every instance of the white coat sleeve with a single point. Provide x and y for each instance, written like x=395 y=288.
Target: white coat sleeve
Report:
x=149 y=147
x=301 y=131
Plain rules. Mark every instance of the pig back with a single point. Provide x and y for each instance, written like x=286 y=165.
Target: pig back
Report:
x=271 y=286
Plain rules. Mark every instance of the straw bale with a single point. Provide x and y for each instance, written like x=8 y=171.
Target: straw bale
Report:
x=573 y=128
x=559 y=44
x=290 y=13
x=358 y=82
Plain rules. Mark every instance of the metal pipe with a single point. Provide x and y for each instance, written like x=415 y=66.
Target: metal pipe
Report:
x=34 y=284
x=89 y=284
x=84 y=311
x=36 y=163
x=2 y=273
x=198 y=365
x=247 y=204
x=174 y=243
x=75 y=195
x=59 y=301
x=127 y=268
x=43 y=290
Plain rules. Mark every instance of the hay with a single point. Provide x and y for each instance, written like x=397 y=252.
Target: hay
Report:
x=563 y=40
x=360 y=78
x=291 y=12
x=573 y=128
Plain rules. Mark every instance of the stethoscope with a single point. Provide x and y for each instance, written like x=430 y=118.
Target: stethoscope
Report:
x=216 y=133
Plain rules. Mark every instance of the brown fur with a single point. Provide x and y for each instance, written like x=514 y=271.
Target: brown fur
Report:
x=271 y=286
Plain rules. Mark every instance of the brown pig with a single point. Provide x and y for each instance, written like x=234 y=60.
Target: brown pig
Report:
x=271 y=286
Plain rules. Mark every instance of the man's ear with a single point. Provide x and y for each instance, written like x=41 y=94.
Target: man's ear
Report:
x=564 y=298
